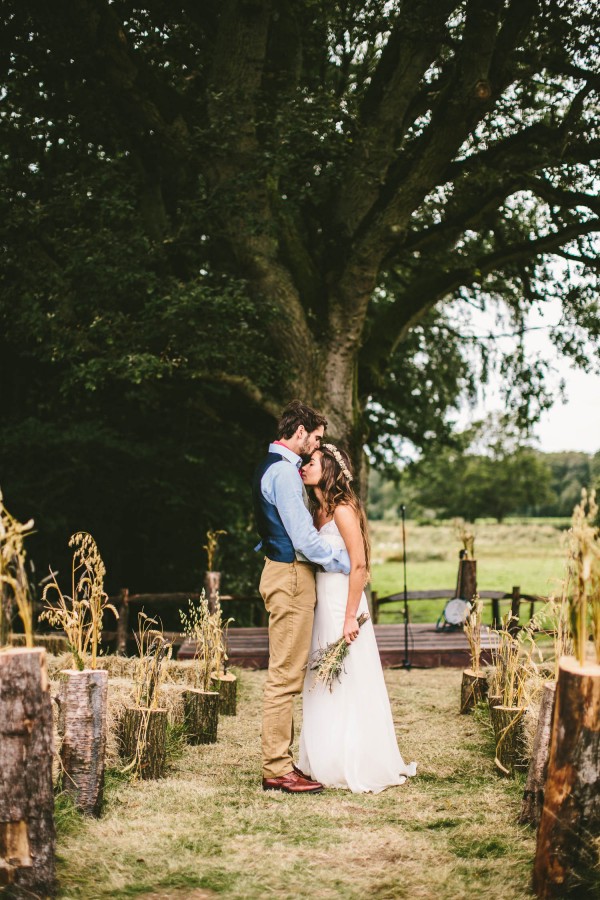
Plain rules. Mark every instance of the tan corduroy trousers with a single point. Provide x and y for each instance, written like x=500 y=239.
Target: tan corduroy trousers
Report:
x=288 y=590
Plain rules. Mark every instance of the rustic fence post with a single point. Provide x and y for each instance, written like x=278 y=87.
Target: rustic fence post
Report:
x=212 y=586
x=515 y=610
x=466 y=584
x=571 y=815
x=496 y=621
x=27 y=836
x=123 y=623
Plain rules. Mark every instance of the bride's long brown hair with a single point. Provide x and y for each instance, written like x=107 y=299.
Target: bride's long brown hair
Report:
x=337 y=490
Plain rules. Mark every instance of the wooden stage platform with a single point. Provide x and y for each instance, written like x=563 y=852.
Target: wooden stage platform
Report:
x=249 y=647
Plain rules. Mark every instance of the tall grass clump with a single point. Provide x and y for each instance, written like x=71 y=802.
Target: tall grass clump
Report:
x=212 y=547
x=79 y=614
x=153 y=649
x=584 y=570
x=14 y=584
x=472 y=629
x=466 y=534
x=207 y=630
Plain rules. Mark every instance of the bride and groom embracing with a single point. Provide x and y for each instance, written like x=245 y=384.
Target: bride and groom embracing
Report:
x=314 y=537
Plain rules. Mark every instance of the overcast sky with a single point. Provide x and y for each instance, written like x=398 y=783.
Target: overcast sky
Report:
x=573 y=425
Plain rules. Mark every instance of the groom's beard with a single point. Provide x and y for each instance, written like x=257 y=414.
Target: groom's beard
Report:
x=305 y=451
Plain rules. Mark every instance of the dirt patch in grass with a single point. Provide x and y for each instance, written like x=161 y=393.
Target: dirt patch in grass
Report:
x=449 y=833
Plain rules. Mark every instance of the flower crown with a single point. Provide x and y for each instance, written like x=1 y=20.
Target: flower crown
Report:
x=339 y=460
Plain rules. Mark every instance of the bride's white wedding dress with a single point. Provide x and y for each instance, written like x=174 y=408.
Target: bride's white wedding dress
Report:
x=348 y=738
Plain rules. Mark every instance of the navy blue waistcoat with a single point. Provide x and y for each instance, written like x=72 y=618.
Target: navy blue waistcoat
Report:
x=276 y=542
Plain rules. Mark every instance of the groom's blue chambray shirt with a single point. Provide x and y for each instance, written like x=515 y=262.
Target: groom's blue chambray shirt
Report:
x=282 y=486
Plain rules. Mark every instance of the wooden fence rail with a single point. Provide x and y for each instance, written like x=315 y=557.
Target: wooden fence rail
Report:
x=515 y=596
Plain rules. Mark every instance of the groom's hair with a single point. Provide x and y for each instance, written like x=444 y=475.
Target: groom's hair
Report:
x=296 y=414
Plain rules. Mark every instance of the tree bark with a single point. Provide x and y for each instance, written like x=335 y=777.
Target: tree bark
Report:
x=27 y=836
x=143 y=734
x=473 y=689
x=201 y=716
x=227 y=687
x=212 y=585
x=566 y=849
x=508 y=724
x=533 y=795
x=82 y=725
x=467 y=579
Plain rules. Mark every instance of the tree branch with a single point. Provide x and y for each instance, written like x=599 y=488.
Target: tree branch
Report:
x=402 y=64
x=426 y=290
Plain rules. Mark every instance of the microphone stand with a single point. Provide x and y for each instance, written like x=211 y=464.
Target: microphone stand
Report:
x=406 y=663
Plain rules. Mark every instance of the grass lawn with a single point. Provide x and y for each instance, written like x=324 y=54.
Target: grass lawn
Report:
x=528 y=553
x=208 y=830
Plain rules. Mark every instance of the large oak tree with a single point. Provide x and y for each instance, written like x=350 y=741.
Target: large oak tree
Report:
x=259 y=199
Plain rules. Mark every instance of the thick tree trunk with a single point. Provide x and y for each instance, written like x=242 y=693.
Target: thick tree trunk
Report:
x=508 y=722
x=533 y=795
x=472 y=690
x=27 y=837
x=567 y=846
x=201 y=716
x=143 y=734
x=82 y=725
x=227 y=687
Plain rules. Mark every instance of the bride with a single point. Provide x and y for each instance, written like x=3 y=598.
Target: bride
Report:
x=348 y=738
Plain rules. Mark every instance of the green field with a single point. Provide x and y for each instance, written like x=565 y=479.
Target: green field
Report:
x=528 y=553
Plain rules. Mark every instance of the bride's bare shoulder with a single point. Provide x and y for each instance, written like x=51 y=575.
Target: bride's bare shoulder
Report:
x=344 y=514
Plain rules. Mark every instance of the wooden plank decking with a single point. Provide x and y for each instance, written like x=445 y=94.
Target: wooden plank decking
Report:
x=249 y=647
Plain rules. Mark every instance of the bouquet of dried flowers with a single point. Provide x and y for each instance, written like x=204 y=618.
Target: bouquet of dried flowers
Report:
x=328 y=662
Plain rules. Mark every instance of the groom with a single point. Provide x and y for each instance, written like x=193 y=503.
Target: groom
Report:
x=292 y=549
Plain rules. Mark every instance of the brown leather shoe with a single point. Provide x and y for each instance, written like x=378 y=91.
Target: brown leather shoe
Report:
x=300 y=772
x=292 y=783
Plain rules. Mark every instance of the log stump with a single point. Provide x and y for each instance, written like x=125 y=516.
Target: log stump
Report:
x=494 y=700
x=143 y=741
x=83 y=729
x=473 y=689
x=533 y=795
x=508 y=722
x=201 y=710
x=570 y=820
x=27 y=836
x=227 y=687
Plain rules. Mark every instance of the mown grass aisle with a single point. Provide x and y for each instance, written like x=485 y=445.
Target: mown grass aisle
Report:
x=448 y=834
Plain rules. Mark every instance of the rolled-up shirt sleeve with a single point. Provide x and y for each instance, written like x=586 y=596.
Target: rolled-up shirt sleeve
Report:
x=284 y=490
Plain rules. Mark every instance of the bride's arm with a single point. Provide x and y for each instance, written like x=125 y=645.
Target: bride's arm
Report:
x=348 y=523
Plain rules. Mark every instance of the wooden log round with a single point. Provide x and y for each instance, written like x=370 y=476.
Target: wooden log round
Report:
x=566 y=849
x=143 y=741
x=83 y=729
x=494 y=700
x=533 y=795
x=508 y=722
x=201 y=710
x=227 y=687
x=27 y=835
x=473 y=689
